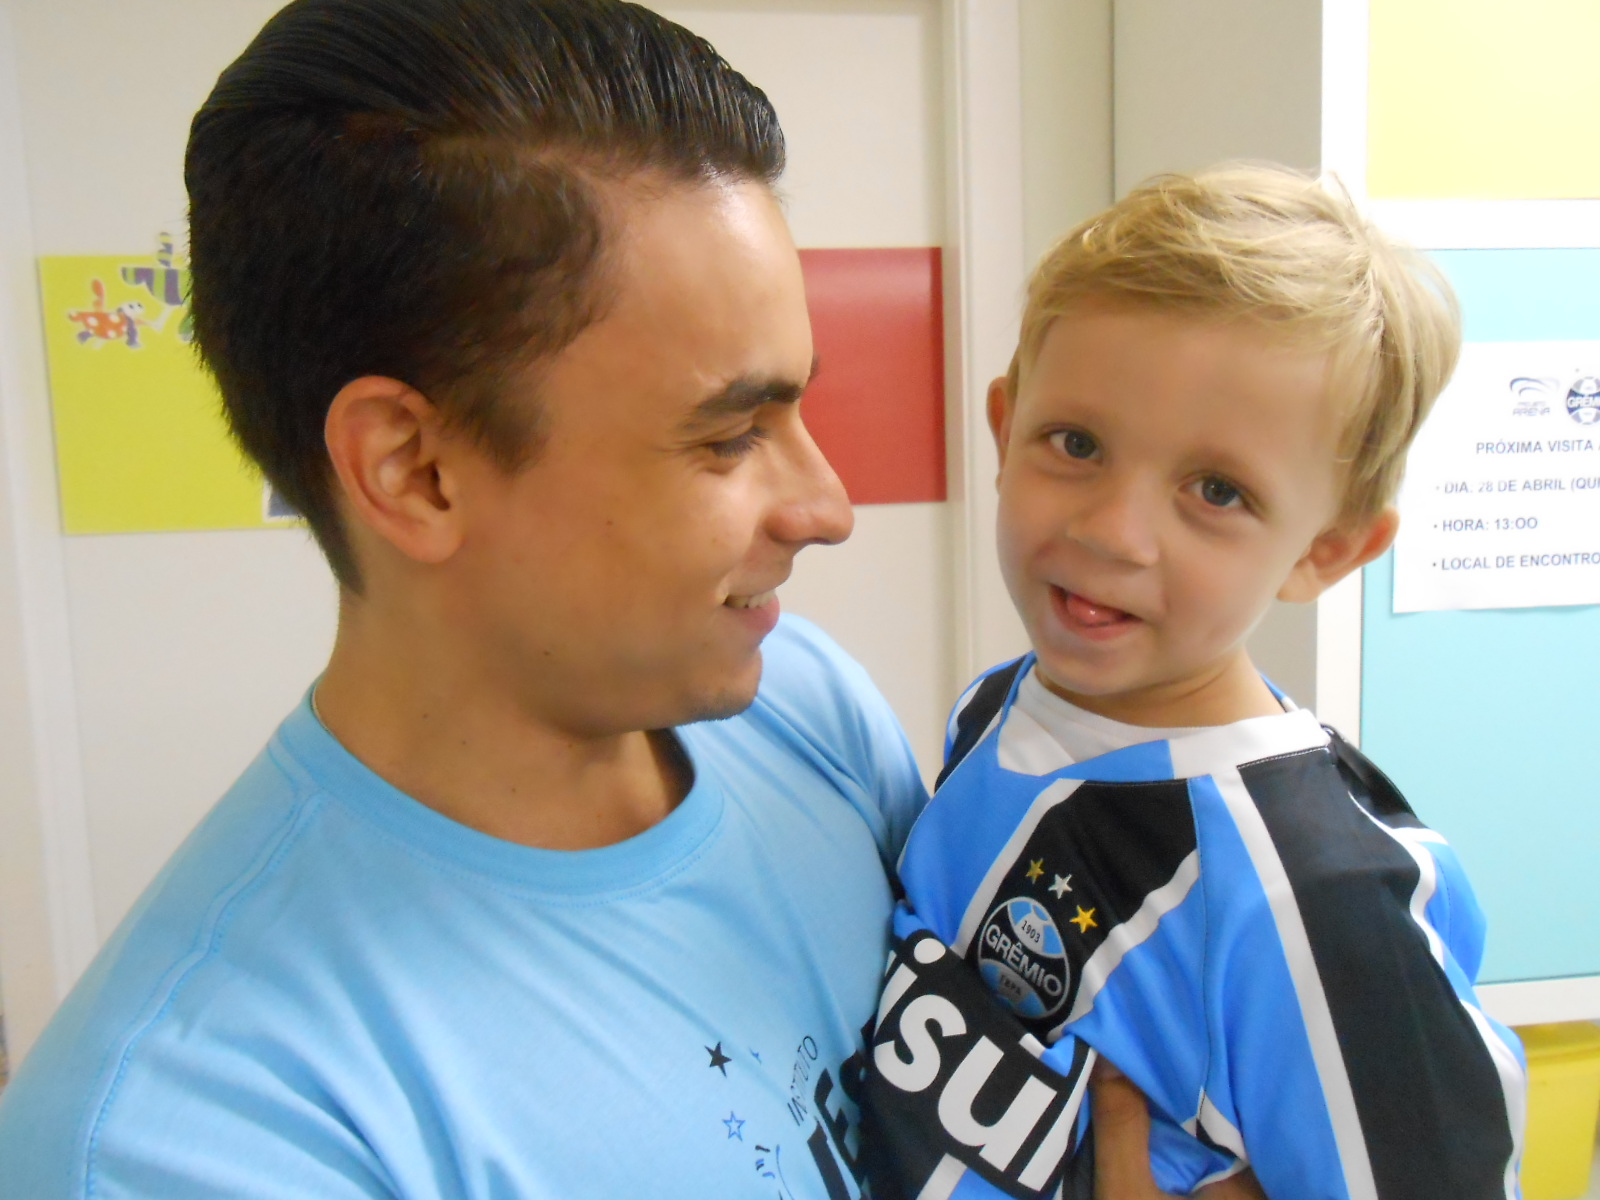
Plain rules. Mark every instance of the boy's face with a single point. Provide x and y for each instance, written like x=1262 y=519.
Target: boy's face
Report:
x=1162 y=478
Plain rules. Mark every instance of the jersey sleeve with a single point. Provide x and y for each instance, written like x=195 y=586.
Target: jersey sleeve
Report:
x=826 y=700
x=1352 y=1057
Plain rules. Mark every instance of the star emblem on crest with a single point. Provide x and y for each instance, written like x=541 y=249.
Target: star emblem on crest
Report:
x=1062 y=885
x=1084 y=920
x=1035 y=870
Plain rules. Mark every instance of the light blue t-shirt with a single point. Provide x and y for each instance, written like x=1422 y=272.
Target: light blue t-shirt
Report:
x=332 y=991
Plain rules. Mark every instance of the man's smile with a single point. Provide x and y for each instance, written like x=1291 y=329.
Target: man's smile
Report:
x=753 y=600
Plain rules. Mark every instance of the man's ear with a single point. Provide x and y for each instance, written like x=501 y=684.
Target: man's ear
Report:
x=1000 y=410
x=1336 y=552
x=385 y=441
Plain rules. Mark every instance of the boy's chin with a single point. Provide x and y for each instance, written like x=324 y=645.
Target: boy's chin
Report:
x=1075 y=686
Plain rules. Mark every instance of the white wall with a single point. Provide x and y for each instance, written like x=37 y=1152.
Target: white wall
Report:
x=1066 y=117
x=1196 y=83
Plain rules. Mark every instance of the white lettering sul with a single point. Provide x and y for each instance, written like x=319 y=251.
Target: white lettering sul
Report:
x=1056 y=1143
x=999 y=1142
x=922 y=1068
x=899 y=984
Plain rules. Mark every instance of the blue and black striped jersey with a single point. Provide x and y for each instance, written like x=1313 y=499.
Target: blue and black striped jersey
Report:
x=1249 y=921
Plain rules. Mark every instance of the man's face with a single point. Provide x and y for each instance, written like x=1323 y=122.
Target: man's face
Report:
x=1161 y=476
x=625 y=579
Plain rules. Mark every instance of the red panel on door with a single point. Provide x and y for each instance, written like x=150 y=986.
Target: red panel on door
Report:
x=877 y=407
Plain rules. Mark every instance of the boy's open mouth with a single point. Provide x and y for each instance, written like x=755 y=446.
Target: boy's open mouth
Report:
x=1086 y=613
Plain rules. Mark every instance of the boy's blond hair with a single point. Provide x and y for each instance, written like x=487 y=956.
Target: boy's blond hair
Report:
x=1267 y=244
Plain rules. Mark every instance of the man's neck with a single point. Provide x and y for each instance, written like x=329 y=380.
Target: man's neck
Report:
x=469 y=750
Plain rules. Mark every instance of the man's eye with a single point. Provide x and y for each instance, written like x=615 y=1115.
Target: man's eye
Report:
x=1074 y=443
x=1219 y=493
x=738 y=447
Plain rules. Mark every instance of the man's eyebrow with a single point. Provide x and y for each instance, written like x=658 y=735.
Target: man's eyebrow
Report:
x=746 y=394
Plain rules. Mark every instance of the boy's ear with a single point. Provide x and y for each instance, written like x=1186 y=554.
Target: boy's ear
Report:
x=1337 y=551
x=1000 y=410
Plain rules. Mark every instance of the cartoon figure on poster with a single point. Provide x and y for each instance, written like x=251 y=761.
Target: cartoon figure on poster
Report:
x=166 y=281
x=100 y=326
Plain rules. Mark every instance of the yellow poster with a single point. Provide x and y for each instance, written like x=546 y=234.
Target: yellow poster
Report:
x=1483 y=99
x=141 y=445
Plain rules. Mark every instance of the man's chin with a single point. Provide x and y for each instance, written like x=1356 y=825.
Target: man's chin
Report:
x=729 y=699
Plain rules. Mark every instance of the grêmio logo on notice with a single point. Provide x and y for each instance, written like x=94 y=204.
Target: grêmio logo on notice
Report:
x=955 y=1084
x=1533 y=395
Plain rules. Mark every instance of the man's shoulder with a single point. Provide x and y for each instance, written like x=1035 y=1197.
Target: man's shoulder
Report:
x=818 y=709
x=799 y=657
x=821 y=695
x=131 y=997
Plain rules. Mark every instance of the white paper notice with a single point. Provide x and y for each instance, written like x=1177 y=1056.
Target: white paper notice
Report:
x=1501 y=502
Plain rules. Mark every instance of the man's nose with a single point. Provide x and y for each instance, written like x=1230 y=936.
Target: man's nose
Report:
x=812 y=507
x=1118 y=523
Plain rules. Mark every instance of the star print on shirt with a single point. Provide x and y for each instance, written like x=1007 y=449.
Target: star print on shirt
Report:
x=721 y=1060
x=735 y=1125
x=1084 y=920
x=1062 y=885
x=1035 y=870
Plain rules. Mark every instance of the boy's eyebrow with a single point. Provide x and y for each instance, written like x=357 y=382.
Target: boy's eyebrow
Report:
x=745 y=394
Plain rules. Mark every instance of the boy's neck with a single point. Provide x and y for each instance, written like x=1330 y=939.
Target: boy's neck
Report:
x=1226 y=691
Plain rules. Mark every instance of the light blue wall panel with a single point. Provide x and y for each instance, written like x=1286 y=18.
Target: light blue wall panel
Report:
x=1490 y=721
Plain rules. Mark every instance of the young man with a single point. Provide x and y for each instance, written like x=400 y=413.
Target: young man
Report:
x=1138 y=846
x=567 y=878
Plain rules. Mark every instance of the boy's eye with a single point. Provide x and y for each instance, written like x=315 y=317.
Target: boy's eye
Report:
x=1075 y=443
x=1219 y=493
x=738 y=447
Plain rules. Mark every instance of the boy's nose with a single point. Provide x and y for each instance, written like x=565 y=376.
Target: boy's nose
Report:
x=1117 y=524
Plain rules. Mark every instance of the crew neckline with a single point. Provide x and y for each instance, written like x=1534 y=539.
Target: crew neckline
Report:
x=1052 y=712
x=625 y=866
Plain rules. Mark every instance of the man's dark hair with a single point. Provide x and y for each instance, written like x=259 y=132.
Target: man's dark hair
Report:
x=407 y=188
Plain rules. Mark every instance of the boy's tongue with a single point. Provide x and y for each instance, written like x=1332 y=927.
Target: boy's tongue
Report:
x=1086 y=612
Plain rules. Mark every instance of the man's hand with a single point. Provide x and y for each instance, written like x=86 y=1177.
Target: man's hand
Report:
x=1121 y=1122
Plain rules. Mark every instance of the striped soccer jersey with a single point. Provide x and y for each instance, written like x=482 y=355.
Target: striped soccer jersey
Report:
x=1249 y=921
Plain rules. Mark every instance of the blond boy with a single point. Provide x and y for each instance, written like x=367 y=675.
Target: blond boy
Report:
x=1139 y=846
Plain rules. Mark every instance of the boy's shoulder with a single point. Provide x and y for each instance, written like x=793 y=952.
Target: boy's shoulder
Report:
x=975 y=711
